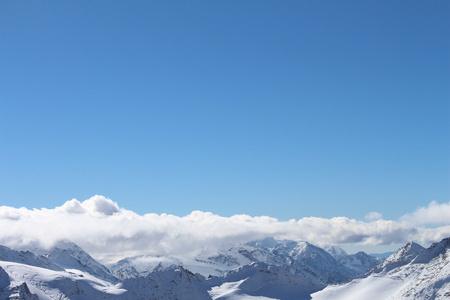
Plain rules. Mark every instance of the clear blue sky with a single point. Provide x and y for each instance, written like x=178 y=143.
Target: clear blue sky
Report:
x=279 y=108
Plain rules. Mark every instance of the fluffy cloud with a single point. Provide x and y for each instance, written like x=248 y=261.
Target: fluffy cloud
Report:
x=109 y=232
x=435 y=213
x=373 y=216
x=97 y=205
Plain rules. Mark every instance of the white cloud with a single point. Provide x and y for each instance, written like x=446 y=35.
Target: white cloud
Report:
x=434 y=213
x=109 y=232
x=97 y=205
x=373 y=216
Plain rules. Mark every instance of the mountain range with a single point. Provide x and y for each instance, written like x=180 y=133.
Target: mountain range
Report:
x=262 y=269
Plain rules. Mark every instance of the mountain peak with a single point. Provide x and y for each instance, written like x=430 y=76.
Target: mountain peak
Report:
x=335 y=251
x=402 y=256
x=433 y=251
x=405 y=253
x=268 y=242
x=69 y=255
x=67 y=245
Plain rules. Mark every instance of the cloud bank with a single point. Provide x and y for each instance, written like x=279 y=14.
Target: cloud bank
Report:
x=109 y=232
x=433 y=214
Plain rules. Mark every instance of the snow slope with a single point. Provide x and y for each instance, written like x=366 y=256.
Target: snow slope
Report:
x=263 y=280
x=49 y=284
x=11 y=290
x=231 y=291
x=68 y=255
x=28 y=258
x=411 y=273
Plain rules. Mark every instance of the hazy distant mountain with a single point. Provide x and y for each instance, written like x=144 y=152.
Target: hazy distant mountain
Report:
x=335 y=251
x=360 y=262
x=382 y=256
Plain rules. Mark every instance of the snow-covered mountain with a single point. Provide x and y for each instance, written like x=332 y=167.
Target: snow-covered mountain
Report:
x=141 y=266
x=410 y=273
x=335 y=251
x=300 y=258
x=63 y=255
x=50 y=284
x=68 y=255
x=10 y=290
x=263 y=280
x=402 y=256
x=264 y=269
x=360 y=262
x=28 y=258
x=168 y=284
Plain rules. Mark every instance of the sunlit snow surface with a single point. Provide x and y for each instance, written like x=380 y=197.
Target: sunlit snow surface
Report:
x=44 y=282
x=425 y=277
x=371 y=288
x=231 y=291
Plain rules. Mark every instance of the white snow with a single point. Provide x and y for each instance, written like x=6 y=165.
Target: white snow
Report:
x=39 y=280
x=231 y=291
x=371 y=288
x=410 y=273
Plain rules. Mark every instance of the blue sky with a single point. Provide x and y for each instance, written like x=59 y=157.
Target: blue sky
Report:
x=282 y=108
